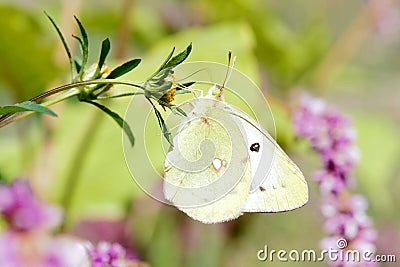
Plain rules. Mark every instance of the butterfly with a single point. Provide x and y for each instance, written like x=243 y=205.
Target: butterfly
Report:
x=223 y=164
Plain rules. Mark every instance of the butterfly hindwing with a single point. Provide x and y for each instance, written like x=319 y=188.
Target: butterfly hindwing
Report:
x=277 y=183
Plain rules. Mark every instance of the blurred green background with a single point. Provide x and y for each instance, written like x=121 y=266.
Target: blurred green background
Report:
x=346 y=52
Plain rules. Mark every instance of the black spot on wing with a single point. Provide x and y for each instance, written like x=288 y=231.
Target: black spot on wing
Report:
x=262 y=189
x=255 y=147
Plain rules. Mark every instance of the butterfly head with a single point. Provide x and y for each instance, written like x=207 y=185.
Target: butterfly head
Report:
x=216 y=92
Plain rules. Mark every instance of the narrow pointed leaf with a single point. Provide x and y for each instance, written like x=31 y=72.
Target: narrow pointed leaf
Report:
x=179 y=110
x=161 y=123
x=163 y=126
x=62 y=38
x=173 y=108
x=178 y=59
x=166 y=61
x=124 y=68
x=77 y=65
x=180 y=91
x=188 y=84
x=181 y=88
x=105 y=49
x=26 y=106
x=79 y=39
x=84 y=45
x=79 y=69
x=121 y=122
x=162 y=103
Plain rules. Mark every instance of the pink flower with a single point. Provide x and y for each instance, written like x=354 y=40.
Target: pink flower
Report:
x=23 y=211
x=37 y=249
x=107 y=254
x=331 y=135
x=28 y=241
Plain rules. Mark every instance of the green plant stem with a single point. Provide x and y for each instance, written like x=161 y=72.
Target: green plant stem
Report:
x=76 y=166
x=43 y=95
x=119 y=95
x=78 y=84
x=73 y=91
x=17 y=116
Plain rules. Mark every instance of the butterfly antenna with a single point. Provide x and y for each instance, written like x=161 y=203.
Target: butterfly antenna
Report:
x=228 y=74
x=191 y=75
x=229 y=69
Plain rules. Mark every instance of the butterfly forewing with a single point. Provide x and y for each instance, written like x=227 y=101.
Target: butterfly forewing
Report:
x=207 y=173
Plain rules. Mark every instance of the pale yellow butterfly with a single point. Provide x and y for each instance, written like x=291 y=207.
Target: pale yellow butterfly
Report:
x=223 y=163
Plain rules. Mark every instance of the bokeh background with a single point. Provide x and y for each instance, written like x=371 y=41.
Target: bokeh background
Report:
x=346 y=52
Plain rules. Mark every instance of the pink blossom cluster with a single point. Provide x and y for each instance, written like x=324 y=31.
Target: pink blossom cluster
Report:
x=107 y=254
x=23 y=211
x=27 y=239
x=332 y=136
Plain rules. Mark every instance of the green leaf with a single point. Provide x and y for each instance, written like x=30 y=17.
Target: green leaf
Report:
x=161 y=123
x=165 y=61
x=173 y=108
x=79 y=39
x=77 y=65
x=180 y=91
x=163 y=126
x=26 y=106
x=124 y=68
x=84 y=42
x=105 y=49
x=178 y=59
x=185 y=85
x=181 y=88
x=178 y=110
x=61 y=37
x=121 y=122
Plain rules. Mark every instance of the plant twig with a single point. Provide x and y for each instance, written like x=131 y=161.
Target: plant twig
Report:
x=17 y=116
x=9 y=118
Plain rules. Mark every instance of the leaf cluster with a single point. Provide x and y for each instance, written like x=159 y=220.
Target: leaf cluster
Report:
x=94 y=81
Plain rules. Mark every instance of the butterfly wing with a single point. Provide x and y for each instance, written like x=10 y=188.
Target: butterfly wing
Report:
x=277 y=183
x=207 y=173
